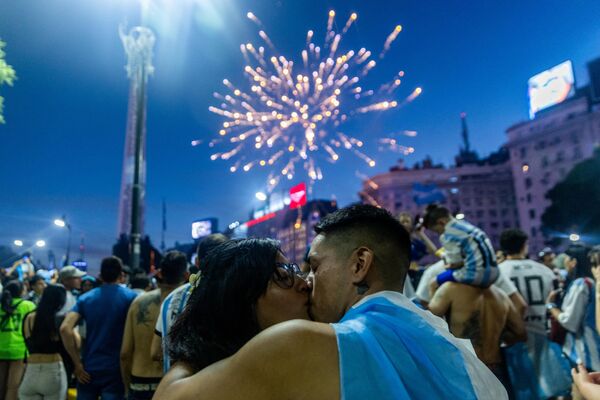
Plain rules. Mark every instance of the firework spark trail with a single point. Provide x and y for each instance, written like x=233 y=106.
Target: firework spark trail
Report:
x=290 y=115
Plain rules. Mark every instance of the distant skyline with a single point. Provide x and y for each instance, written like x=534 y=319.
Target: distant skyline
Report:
x=62 y=144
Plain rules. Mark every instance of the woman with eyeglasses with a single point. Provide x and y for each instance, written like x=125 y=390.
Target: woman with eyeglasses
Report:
x=247 y=286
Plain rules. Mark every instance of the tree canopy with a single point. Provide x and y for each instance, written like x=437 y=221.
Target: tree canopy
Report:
x=7 y=76
x=575 y=201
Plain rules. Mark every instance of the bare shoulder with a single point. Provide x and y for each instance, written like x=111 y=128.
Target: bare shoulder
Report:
x=304 y=350
x=296 y=338
x=152 y=296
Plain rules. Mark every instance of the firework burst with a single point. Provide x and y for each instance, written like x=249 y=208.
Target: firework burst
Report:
x=291 y=115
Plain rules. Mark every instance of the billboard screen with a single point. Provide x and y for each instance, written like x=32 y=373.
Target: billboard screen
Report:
x=551 y=87
x=203 y=227
x=298 y=196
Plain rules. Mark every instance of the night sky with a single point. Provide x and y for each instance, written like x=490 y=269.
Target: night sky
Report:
x=61 y=149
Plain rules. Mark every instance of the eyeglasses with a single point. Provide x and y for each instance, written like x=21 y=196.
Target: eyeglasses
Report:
x=285 y=274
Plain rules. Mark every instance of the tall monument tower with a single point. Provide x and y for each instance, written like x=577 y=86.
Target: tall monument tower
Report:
x=138 y=45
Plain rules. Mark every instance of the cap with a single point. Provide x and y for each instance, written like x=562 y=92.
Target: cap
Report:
x=70 y=272
x=545 y=251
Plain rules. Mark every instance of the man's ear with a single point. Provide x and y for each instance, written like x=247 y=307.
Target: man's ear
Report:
x=363 y=262
x=197 y=262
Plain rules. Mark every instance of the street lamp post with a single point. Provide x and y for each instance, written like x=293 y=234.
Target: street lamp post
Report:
x=63 y=223
x=138 y=46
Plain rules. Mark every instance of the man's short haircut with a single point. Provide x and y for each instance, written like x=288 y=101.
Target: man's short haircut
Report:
x=433 y=213
x=139 y=281
x=110 y=269
x=34 y=279
x=173 y=267
x=373 y=227
x=207 y=244
x=512 y=241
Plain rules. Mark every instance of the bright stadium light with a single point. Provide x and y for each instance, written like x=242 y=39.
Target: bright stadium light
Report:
x=18 y=243
x=60 y=222
x=573 y=237
x=40 y=243
x=261 y=196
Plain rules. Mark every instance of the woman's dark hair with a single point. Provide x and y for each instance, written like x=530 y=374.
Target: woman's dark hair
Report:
x=45 y=327
x=220 y=316
x=583 y=269
x=12 y=290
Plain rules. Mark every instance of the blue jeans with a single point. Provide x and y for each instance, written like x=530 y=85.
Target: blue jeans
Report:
x=107 y=385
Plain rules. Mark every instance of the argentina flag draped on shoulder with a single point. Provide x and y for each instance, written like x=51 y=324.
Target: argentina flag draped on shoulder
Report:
x=390 y=349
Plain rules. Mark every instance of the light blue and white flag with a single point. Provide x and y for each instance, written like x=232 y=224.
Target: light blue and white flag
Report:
x=427 y=194
x=537 y=369
x=390 y=349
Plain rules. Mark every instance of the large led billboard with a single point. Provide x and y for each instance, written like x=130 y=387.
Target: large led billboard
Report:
x=203 y=227
x=551 y=87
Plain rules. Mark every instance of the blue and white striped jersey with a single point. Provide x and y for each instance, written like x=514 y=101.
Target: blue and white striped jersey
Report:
x=469 y=244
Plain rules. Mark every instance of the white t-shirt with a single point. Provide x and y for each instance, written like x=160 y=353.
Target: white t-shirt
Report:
x=502 y=283
x=534 y=282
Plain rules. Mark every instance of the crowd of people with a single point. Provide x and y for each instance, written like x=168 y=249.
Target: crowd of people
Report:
x=363 y=315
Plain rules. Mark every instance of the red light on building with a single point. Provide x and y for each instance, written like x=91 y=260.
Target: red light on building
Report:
x=298 y=196
x=259 y=220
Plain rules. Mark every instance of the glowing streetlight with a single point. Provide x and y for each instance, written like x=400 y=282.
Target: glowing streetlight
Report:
x=460 y=216
x=60 y=222
x=40 y=243
x=261 y=196
x=18 y=243
x=573 y=237
x=63 y=223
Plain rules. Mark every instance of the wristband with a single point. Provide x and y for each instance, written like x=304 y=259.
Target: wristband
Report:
x=550 y=306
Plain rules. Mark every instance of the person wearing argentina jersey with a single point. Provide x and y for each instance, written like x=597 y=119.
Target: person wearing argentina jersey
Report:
x=537 y=368
x=577 y=315
x=173 y=305
x=468 y=253
x=367 y=339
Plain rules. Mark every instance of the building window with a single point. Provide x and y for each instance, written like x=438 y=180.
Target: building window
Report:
x=493 y=213
x=540 y=145
x=532 y=213
x=545 y=161
x=479 y=214
x=574 y=138
x=523 y=152
x=506 y=224
x=533 y=231
x=529 y=197
x=577 y=153
x=504 y=212
x=560 y=156
x=494 y=225
x=527 y=183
